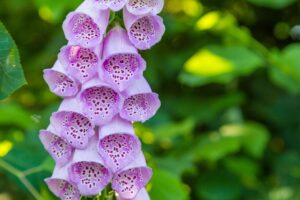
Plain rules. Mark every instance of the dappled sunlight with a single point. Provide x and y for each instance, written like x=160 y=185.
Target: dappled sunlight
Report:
x=145 y=134
x=5 y=147
x=206 y=63
x=231 y=130
x=208 y=21
x=192 y=8
x=215 y=20
x=46 y=13
x=282 y=193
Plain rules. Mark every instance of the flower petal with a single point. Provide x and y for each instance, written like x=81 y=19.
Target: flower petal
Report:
x=88 y=170
x=114 y=5
x=74 y=127
x=130 y=181
x=86 y=25
x=142 y=195
x=142 y=7
x=59 y=82
x=60 y=150
x=118 y=146
x=121 y=64
x=80 y=62
x=60 y=185
x=140 y=103
x=144 y=31
x=100 y=102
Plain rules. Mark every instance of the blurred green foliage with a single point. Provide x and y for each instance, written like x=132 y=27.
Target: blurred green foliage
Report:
x=228 y=76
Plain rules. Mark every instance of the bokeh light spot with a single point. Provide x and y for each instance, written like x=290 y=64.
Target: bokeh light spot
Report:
x=207 y=63
x=5 y=147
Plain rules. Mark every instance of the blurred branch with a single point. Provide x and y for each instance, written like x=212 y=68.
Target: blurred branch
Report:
x=22 y=177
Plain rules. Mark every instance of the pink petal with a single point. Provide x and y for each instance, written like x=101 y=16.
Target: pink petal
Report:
x=143 y=31
x=59 y=82
x=140 y=103
x=72 y=126
x=60 y=185
x=80 y=62
x=132 y=179
x=86 y=25
x=100 y=102
x=114 y=5
x=121 y=62
x=118 y=146
x=141 y=7
x=60 y=150
x=88 y=170
x=142 y=195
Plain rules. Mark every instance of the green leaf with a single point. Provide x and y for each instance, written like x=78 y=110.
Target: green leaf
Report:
x=242 y=166
x=230 y=139
x=219 y=186
x=219 y=64
x=182 y=163
x=253 y=137
x=166 y=186
x=214 y=146
x=275 y=4
x=12 y=114
x=286 y=70
x=201 y=108
x=168 y=131
x=11 y=72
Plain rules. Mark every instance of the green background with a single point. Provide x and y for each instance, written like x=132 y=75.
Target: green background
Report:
x=228 y=75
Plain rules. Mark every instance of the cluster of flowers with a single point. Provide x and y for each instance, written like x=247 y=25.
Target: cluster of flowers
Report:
x=100 y=76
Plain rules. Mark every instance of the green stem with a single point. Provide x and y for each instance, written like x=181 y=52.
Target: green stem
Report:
x=22 y=177
x=33 y=170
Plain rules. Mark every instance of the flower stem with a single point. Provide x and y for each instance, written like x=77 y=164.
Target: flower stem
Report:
x=22 y=177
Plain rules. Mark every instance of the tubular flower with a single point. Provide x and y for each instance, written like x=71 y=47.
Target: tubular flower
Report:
x=142 y=195
x=118 y=146
x=100 y=102
x=74 y=127
x=140 y=103
x=142 y=7
x=59 y=149
x=128 y=182
x=100 y=76
x=114 y=5
x=61 y=186
x=88 y=170
x=121 y=62
x=143 y=31
x=86 y=25
x=81 y=63
x=59 y=82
